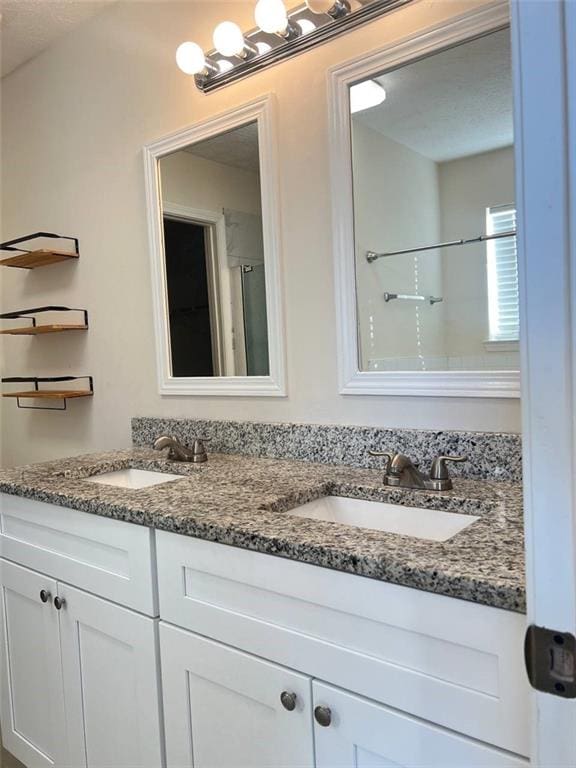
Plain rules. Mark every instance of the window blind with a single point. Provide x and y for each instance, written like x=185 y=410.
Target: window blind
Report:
x=502 y=262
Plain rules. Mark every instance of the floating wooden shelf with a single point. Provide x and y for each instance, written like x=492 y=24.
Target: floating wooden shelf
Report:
x=34 y=259
x=50 y=394
x=47 y=394
x=39 y=257
x=37 y=330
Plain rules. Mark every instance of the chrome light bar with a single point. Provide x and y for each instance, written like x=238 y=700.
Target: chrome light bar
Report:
x=306 y=28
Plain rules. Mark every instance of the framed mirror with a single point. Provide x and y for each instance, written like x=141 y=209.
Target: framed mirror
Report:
x=213 y=224
x=425 y=214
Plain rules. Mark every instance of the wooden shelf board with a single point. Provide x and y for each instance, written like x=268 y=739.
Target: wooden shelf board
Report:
x=34 y=259
x=41 y=329
x=50 y=394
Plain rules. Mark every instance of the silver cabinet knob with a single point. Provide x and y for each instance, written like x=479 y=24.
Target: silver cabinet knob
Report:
x=288 y=700
x=59 y=603
x=323 y=716
x=45 y=595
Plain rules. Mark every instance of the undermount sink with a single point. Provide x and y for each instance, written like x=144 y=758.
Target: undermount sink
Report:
x=133 y=478
x=429 y=524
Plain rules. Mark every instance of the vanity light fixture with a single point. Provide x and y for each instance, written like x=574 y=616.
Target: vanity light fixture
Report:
x=281 y=33
x=366 y=95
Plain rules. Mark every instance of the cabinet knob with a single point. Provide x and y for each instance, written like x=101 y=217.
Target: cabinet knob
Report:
x=288 y=700
x=59 y=603
x=323 y=716
x=44 y=595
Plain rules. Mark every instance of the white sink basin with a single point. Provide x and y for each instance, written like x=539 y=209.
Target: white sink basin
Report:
x=133 y=478
x=430 y=524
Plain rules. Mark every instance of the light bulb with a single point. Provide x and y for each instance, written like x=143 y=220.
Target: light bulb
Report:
x=228 y=39
x=190 y=58
x=271 y=16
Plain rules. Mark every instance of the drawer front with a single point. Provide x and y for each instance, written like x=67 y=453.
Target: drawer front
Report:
x=109 y=558
x=454 y=663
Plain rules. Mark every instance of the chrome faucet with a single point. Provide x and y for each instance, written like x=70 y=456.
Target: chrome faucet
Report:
x=178 y=452
x=401 y=472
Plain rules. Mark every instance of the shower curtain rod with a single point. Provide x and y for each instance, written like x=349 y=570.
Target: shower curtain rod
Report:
x=372 y=255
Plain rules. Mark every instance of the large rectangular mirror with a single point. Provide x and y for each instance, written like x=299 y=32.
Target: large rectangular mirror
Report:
x=434 y=223
x=214 y=257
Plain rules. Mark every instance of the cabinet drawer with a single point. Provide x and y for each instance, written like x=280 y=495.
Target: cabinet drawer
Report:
x=448 y=661
x=110 y=558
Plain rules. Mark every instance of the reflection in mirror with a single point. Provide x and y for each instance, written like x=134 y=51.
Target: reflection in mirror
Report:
x=433 y=165
x=214 y=257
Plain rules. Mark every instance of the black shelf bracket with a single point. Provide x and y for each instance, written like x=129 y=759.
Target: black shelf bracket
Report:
x=28 y=314
x=10 y=245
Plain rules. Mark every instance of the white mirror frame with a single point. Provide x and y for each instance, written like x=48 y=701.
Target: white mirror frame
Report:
x=352 y=381
x=262 y=112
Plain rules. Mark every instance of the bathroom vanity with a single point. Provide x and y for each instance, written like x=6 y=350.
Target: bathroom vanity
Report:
x=197 y=621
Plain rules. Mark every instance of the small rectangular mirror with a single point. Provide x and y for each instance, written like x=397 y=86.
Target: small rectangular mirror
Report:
x=215 y=260
x=434 y=216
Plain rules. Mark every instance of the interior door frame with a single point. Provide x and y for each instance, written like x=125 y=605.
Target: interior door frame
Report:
x=544 y=72
x=213 y=223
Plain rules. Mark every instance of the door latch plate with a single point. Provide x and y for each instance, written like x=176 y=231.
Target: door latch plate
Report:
x=551 y=661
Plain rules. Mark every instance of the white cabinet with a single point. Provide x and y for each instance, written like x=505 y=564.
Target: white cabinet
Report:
x=251 y=645
x=451 y=662
x=223 y=708
x=110 y=683
x=80 y=683
x=357 y=733
x=33 y=720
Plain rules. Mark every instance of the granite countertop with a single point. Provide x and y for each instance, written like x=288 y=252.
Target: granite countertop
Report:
x=243 y=501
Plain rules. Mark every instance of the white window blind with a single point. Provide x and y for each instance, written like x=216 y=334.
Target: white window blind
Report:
x=503 y=310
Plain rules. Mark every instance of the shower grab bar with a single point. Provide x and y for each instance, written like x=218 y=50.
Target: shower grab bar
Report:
x=412 y=297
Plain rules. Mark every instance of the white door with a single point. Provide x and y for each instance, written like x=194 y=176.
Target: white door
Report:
x=351 y=732
x=32 y=703
x=227 y=709
x=544 y=49
x=110 y=666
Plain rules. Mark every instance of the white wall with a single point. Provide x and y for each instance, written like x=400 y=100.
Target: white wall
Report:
x=396 y=205
x=74 y=122
x=467 y=187
x=199 y=183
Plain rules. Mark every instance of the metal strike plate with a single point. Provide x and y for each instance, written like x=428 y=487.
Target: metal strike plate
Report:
x=551 y=661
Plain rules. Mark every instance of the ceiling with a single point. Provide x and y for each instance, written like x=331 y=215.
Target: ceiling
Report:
x=453 y=104
x=31 y=26
x=237 y=148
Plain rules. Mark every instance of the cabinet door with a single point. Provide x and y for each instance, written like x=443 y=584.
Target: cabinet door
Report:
x=110 y=666
x=32 y=703
x=356 y=733
x=223 y=708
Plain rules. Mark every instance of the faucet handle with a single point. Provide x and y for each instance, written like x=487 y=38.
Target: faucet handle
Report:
x=439 y=470
x=199 y=454
x=389 y=455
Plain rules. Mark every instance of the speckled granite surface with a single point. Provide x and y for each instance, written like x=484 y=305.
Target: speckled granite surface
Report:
x=243 y=501
x=491 y=455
